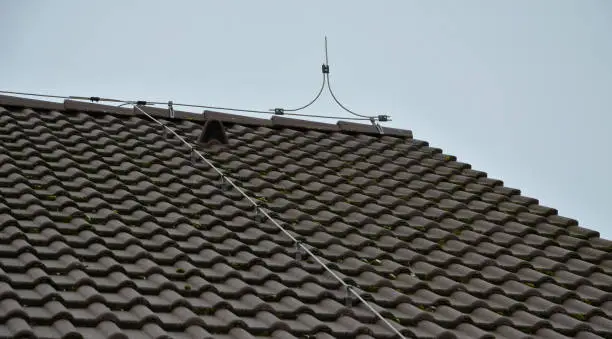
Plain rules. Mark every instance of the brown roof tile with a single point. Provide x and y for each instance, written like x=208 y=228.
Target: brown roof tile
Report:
x=109 y=230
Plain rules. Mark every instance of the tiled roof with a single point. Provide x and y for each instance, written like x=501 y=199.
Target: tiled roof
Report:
x=109 y=230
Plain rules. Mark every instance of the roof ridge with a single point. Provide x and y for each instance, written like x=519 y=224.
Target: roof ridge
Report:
x=275 y=121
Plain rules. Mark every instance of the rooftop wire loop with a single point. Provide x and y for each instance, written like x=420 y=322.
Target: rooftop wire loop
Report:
x=263 y=215
x=326 y=81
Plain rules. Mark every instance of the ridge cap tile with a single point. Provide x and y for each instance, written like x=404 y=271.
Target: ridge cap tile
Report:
x=83 y=106
x=236 y=119
x=6 y=100
x=346 y=126
x=303 y=124
x=165 y=113
x=91 y=107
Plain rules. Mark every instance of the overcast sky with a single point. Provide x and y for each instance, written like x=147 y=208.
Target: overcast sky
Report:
x=519 y=89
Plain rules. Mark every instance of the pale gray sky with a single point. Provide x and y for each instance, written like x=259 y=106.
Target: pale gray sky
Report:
x=518 y=89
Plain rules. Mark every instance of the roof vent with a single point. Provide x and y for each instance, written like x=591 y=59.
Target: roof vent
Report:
x=213 y=131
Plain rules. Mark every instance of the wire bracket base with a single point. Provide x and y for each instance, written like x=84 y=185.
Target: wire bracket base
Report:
x=377 y=126
x=298 y=251
x=348 y=298
x=170 y=109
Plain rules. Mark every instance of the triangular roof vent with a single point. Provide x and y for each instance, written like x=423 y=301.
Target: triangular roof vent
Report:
x=213 y=131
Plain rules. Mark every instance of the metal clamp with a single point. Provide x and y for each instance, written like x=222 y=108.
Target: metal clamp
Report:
x=259 y=215
x=194 y=156
x=170 y=109
x=377 y=126
x=325 y=69
x=348 y=298
x=298 y=251
x=225 y=185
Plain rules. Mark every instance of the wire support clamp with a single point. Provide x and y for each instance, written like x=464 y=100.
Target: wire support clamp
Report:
x=225 y=185
x=377 y=126
x=299 y=251
x=259 y=214
x=348 y=297
x=170 y=109
x=194 y=156
x=165 y=132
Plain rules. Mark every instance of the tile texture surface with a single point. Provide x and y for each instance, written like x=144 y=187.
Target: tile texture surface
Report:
x=109 y=230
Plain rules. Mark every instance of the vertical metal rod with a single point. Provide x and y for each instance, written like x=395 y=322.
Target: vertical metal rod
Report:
x=326 y=58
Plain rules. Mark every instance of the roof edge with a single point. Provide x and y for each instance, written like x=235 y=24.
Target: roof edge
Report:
x=83 y=106
x=303 y=124
x=7 y=100
x=159 y=112
x=236 y=119
x=352 y=127
x=275 y=121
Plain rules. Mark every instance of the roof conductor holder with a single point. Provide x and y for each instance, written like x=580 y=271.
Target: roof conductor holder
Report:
x=194 y=156
x=377 y=125
x=348 y=298
x=259 y=215
x=170 y=109
x=225 y=185
x=298 y=251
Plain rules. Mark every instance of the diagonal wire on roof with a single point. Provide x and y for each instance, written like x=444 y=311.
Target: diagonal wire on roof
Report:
x=262 y=213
